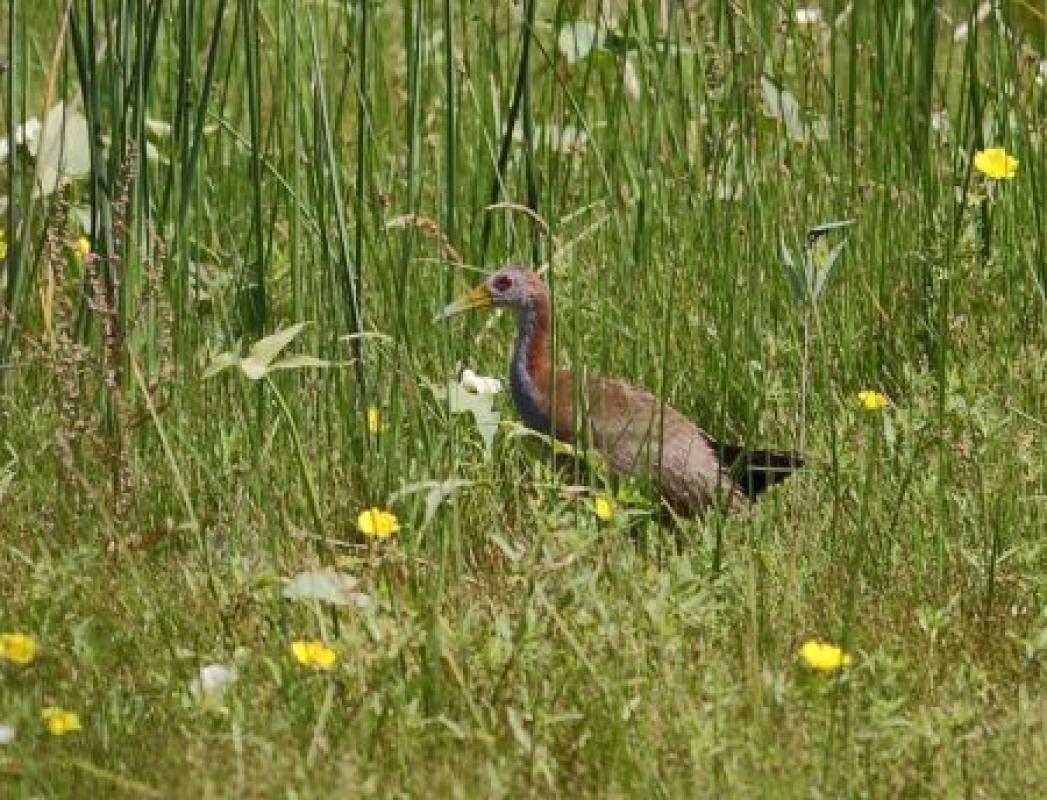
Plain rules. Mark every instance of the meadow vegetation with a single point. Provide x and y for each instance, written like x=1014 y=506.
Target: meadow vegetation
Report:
x=223 y=248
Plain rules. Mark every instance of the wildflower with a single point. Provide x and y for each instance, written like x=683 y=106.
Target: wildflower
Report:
x=604 y=508
x=374 y=421
x=824 y=657
x=82 y=248
x=872 y=400
x=59 y=721
x=17 y=647
x=994 y=163
x=478 y=384
x=7 y=733
x=377 y=524
x=210 y=685
x=313 y=654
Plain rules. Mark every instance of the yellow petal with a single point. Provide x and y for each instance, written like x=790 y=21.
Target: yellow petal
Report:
x=313 y=653
x=994 y=163
x=59 y=721
x=604 y=508
x=374 y=421
x=872 y=400
x=377 y=523
x=824 y=657
x=19 y=648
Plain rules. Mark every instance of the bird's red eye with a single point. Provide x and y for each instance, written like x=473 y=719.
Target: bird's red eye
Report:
x=503 y=283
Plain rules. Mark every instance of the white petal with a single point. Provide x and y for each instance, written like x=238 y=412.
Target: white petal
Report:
x=7 y=733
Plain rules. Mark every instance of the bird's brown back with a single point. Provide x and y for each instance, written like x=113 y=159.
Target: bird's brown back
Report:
x=640 y=435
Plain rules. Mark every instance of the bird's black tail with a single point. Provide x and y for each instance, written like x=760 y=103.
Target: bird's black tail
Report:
x=755 y=470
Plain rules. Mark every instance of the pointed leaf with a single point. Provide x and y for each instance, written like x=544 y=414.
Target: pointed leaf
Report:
x=828 y=227
x=826 y=273
x=326 y=586
x=481 y=406
x=782 y=105
x=221 y=361
x=62 y=151
x=796 y=282
x=299 y=362
x=264 y=351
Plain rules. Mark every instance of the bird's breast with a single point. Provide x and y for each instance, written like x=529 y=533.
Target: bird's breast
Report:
x=531 y=404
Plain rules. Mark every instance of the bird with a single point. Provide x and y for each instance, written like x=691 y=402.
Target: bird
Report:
x=637 y=433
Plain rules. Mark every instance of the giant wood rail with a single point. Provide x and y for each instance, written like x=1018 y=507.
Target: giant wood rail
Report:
x=637 y=433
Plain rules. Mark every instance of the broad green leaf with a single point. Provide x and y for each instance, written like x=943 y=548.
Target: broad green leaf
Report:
x=827 y=227
x=299 y=362
x=221 y=362
x=62 y=150
x=481 y=406
x=826 y=270
x=256 y=364
x=782 y=105
x=326 y=586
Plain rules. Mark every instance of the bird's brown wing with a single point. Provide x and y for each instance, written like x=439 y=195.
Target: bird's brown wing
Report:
x=640 y=435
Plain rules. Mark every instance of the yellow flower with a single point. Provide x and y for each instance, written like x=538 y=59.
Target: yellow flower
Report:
x=313 y=654
x=17 y=647
x=82 y=247
x=872 y=400
x=604 y=508
x=59 y=721
x=377 y=524
x=824 y=657
x=374 y=421
x=996 y=164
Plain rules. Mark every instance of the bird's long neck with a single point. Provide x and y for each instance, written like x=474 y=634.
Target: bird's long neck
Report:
x=530 y=372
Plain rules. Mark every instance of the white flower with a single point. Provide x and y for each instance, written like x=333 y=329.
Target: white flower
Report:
x=210 y=685
x=7 y=733
x=811 y=15
x=478 y=384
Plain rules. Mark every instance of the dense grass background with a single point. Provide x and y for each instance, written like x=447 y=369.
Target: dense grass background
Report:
x=253 y=164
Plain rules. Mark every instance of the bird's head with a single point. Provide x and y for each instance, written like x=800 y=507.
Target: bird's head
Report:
x=513 y=287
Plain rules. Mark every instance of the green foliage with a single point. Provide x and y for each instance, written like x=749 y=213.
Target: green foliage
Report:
x=240 y=167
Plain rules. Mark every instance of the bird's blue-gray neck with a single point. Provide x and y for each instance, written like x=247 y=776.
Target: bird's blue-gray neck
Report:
x=529 y=373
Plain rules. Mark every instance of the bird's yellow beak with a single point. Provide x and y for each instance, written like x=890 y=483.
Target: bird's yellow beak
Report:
x=477 y=297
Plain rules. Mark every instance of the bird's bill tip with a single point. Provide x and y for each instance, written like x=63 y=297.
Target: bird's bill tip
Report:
x=477 y=297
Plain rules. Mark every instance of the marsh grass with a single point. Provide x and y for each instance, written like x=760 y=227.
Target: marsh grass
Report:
x=258 y=164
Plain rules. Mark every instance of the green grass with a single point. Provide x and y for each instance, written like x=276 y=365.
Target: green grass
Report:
x=512 y=644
